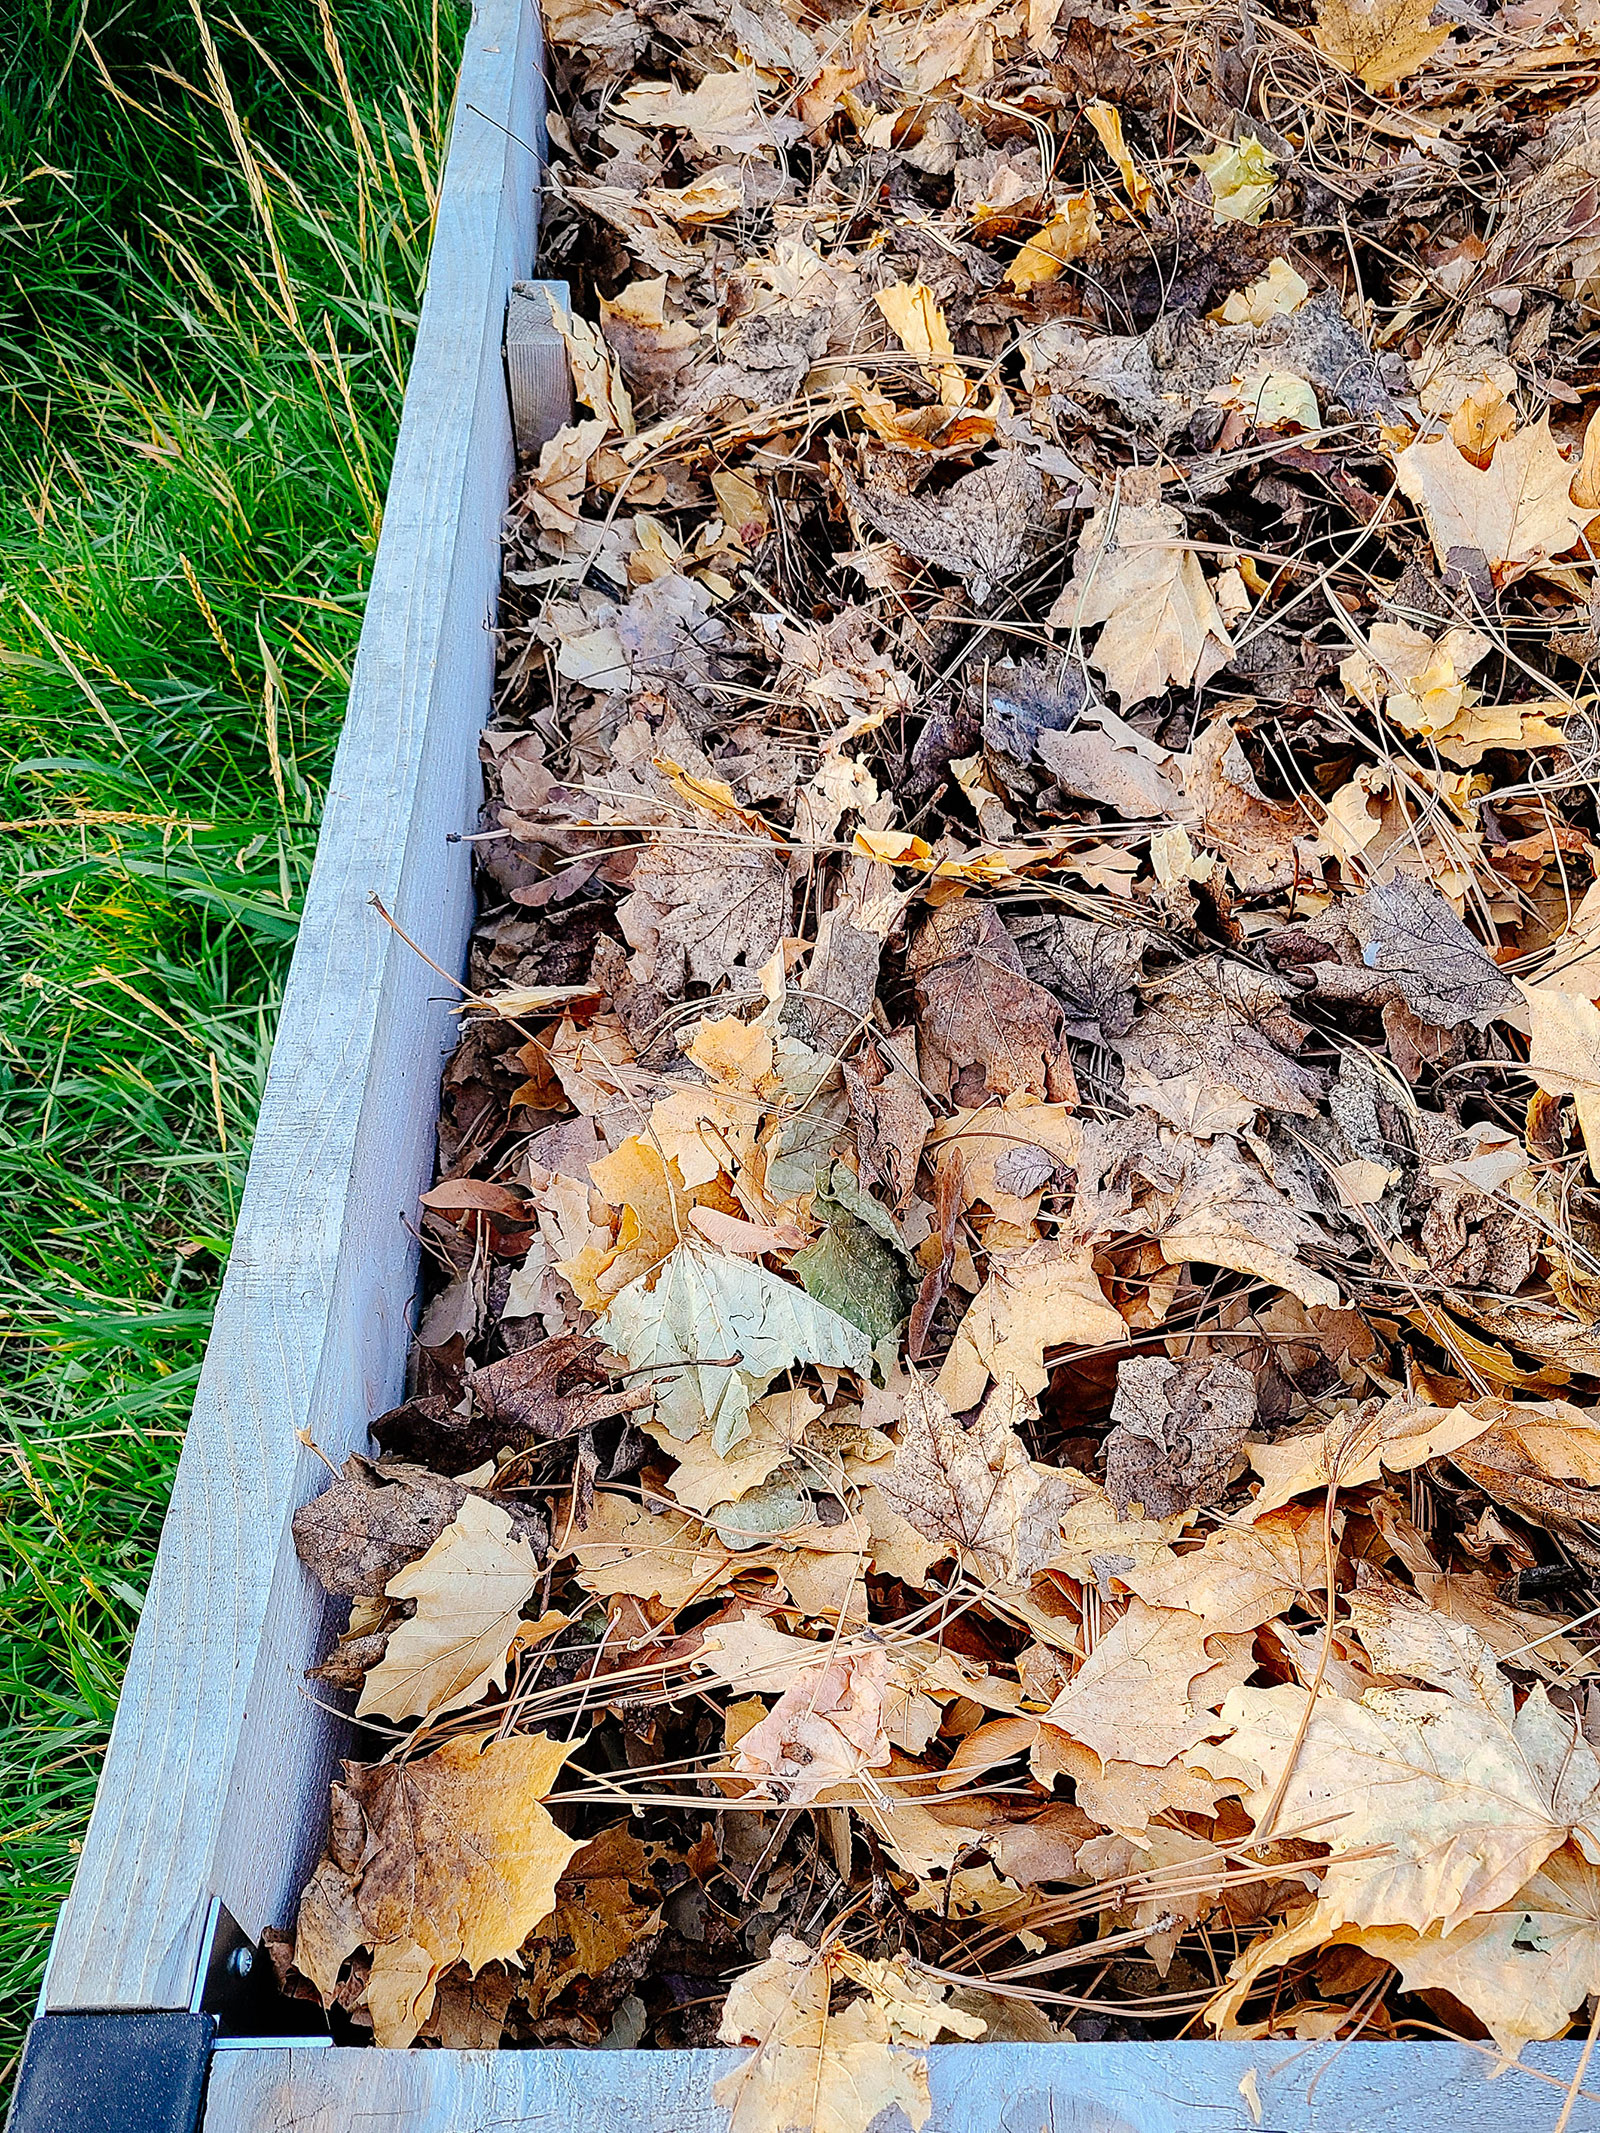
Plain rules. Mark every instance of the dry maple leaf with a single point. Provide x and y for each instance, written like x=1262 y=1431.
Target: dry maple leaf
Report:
x=825 y=1729
x=1382 y=41
x=446 y=1859
x=1135 y=572
x=1516 y=512
x=722 y=112
x=470 y=1589
x=1564 y=1054
x=1042 y=1296
x=816 y=2072
x=1241 y=1577
x=1176 y=1432
x=976 y=1489
x=1460 y=1796
x=1150 y=1687
x=1355 y=1448
x=1523 y=1970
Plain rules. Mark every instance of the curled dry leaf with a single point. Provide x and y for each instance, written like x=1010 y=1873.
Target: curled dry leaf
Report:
x=448 y=1858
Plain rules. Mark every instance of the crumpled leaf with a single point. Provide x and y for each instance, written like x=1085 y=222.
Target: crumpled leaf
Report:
x=377 y=1517
x=816 y=2072
x=470 y=1589
x=976 y=1488
x=1177 y=1429
x=977 y=529
x=825 y=1729
x=447 y=1858
x=1215 y=1046
x=729 y=1327
x=975 y=1008
x=1135 y=573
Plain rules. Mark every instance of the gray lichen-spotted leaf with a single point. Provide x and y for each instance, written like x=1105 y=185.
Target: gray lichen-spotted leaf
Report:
x=1177 y=1428
x=1092 y=970
x=1408 y=931
x=977 y=529
x=778 y=1505
x=719 y=1331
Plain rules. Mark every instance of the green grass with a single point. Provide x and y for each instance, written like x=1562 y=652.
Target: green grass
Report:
x=212 y=238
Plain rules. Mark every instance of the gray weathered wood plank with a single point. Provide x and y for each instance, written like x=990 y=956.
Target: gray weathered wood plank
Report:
x=213 y=1783
x=980 y=2088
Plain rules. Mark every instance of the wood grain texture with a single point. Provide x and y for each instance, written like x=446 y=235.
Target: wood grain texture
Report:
x=216 y=1773
x=987 y=2088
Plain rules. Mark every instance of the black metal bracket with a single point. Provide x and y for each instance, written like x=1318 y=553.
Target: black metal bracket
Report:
x=136 y=2073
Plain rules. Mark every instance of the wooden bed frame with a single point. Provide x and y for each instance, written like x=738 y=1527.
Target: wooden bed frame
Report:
x=215 y=1785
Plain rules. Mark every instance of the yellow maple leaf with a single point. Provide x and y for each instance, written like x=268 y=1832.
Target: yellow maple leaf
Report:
x=1517 y=512
x=1071 y=232
x=470 y=1589
x=913 y=313
x=1381 y=41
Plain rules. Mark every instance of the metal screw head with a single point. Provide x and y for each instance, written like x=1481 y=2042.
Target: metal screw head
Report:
x=241 y=1962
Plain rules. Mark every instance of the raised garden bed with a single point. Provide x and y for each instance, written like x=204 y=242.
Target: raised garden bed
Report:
x=213 y=1808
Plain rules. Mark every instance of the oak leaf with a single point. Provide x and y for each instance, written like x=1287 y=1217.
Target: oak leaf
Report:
x=470 y=1589
x=449 y=1858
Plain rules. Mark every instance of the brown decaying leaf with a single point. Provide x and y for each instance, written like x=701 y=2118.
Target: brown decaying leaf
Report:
x=449 y=1858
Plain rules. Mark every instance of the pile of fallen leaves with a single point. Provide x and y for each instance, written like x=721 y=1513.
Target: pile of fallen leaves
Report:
x=1002 y=1444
